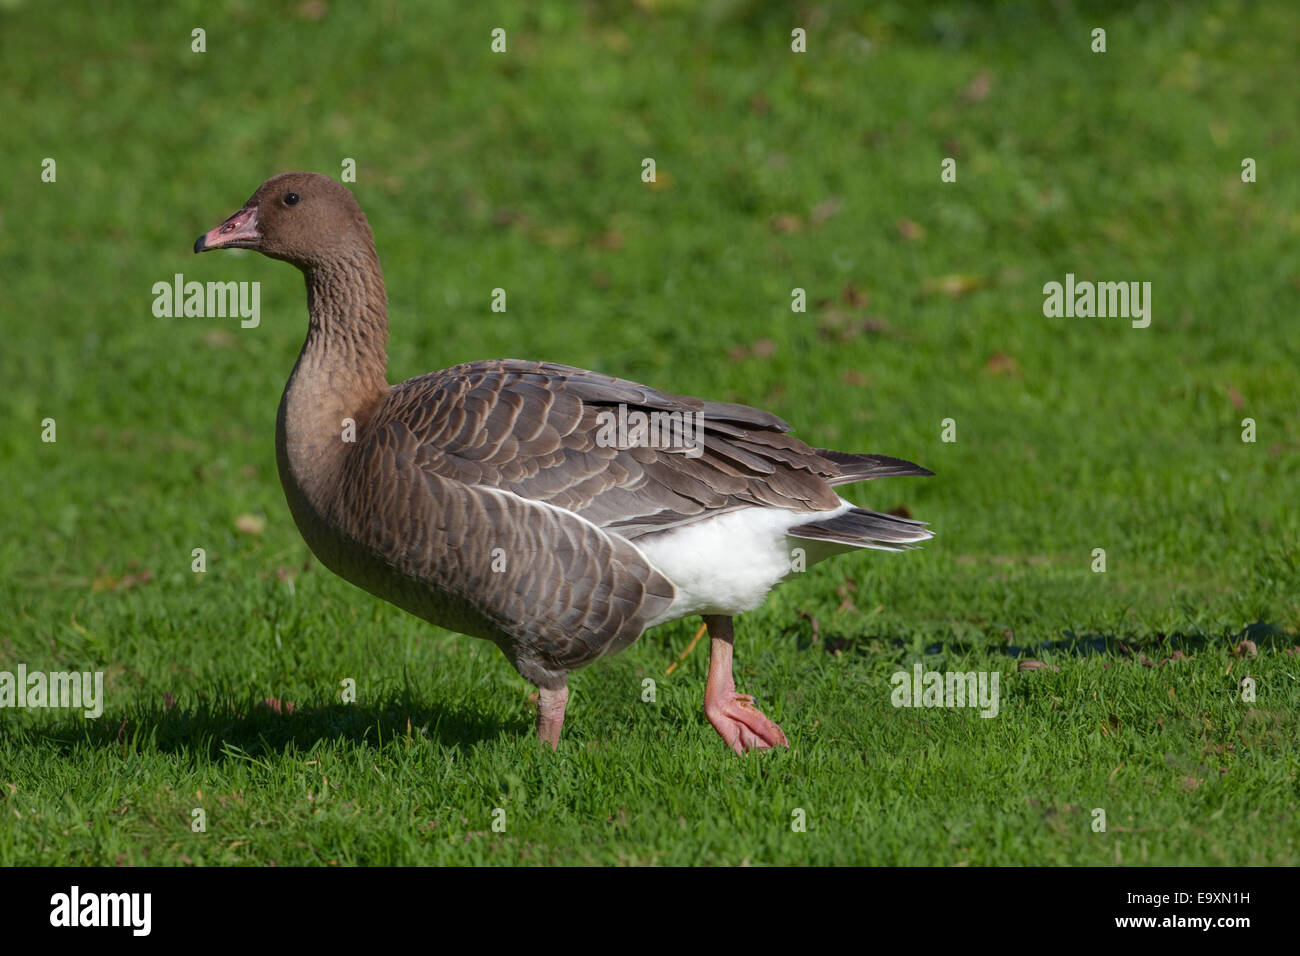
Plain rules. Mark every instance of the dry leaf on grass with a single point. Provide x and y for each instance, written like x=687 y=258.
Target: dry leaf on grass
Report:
x=978 y=89
x=250 y=524
x=275 y=705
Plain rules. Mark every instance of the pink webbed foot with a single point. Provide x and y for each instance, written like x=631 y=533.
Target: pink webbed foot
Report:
x=734 y=716
x=742 y=725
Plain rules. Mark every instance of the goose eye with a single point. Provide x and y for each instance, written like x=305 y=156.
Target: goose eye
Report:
x=291 y=199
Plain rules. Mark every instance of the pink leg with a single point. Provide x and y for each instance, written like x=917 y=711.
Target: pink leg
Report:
x=733 y=715
x=550 y=714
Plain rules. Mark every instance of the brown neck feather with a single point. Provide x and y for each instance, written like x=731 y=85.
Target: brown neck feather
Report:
x=341 y=373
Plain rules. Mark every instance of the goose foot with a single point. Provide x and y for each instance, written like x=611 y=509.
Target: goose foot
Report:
x=734 y=716
x=742 y=725
x=550 y=714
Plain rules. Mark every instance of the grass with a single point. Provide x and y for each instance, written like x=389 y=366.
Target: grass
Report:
x=775 y=171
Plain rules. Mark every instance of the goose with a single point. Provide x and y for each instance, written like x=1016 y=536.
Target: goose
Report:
x=528 y=503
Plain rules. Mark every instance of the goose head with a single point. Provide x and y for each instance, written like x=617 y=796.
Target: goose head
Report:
x=303 y=218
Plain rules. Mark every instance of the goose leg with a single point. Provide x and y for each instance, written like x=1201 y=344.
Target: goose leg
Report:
x=550 y=714
x=733 y=715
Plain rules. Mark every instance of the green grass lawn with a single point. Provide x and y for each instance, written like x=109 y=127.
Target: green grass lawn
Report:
x=775 y=171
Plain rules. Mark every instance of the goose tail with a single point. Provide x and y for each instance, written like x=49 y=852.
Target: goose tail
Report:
x=860 y=528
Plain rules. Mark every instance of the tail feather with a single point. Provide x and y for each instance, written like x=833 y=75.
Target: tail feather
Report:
x=865 y=467
x=860 y=528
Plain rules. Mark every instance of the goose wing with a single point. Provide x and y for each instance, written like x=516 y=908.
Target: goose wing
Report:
x=489 y=488
x=541 y=431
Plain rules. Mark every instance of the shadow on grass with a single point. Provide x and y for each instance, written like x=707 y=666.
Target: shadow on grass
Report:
x=233 y=725
x=230 y=726
x=1261 y=633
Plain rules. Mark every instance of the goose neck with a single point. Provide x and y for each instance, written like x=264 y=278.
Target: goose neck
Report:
x=340 y=377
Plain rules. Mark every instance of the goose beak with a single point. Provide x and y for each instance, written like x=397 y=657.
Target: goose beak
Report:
x=237 y=232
